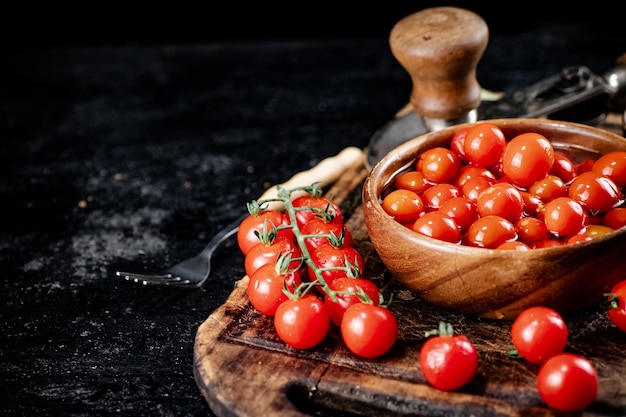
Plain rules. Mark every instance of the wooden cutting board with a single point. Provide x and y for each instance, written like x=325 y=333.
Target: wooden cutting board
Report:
x=243 y=369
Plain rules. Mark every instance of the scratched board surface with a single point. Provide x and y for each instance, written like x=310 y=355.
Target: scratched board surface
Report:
x=243 y=369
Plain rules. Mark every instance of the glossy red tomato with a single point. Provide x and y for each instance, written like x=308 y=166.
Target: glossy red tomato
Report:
x=615 y=218
x=349 y=292
x=616 y=305
x=527 y=158
x=369 y=330
x=514 y=245
x=268 y=221
x=596 y=193
x=567 y=382
x=501 y=199
x=439 y=165
x=563 y=167
x=531 y=230
x=438 y=226
x=458 y=141
x=318 y=231
x=564 y=216
x=490 y=232
x=336 y=262
x=484 y=144
x=263 y=253
x=539 y=333
x=266 y=285
x=412 y=180
x=302 y=322
x=403 y=205
x=448 y=361
x=548 y=188
x=461 y=210
x=474 y=186
x=309 y=206
x=613 y=166
x=470 y=171
x=436 y=195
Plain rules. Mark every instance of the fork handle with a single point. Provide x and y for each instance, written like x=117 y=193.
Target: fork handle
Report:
x=326 y=172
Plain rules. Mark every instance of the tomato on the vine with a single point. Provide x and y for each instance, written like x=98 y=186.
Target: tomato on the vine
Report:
x=539 y=333
x=309 y=206
x=350 y=292
x=448 y=361
x=616 y=305
x=267 y=284
x=567 y=382
x=369 y=330
x=326 y=230
x=266 y=221
x=302 y=322
x=263 y=253
x=336 y=262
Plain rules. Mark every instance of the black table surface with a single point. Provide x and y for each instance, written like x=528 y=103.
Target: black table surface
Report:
x=131 y=156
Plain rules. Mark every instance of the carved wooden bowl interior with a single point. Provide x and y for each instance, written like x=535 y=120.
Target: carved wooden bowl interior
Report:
x=491 y=283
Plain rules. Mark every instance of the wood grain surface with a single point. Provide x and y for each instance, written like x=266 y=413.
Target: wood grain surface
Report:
x=243 y=369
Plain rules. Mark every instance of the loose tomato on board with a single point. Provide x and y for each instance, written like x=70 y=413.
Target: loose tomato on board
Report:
x=265 y=221
x=369 y=330
x=567 y=382
x=448 y=361
x=539 y=333
x=351 y=291
x=616 y=305
x=302 y=322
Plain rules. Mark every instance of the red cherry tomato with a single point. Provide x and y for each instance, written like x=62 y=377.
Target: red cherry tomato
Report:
x=348 y=289
x=531 y=230
x=457 y=143
x=325 y=230
x=474 y=187
x=436 y=195
x=539 y=333
x=309 y=206
x=448 y=361
x=403 y=205
x=563 y=167
x=438 y=226
x=461 y=210
x=616 y=305
x=439 y=165
x=615 y=218
x=266 y=285
x=469 y=171
x=336 y=262
x=412 y=180
x=263 y=253
x=484 y=144
x=567 y=382
x=596 y=193
x=564 y=216
x=613 y=166
x=303 y=322
x=369 y=330
x=514 y=245
x=548 y=188
x=527 y=158
x=490 y=232
x=501 y=199
x=268 y=221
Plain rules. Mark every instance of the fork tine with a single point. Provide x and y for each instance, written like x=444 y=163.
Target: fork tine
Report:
x=163 y=279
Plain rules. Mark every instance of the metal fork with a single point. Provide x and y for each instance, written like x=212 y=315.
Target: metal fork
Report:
x=193 y=272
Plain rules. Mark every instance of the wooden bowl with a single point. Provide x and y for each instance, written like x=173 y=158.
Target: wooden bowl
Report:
x=492 y=283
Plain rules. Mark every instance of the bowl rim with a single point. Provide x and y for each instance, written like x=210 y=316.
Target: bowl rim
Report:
x=401 y=157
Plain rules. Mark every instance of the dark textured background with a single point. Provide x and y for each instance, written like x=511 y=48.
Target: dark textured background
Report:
x=128 y=139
